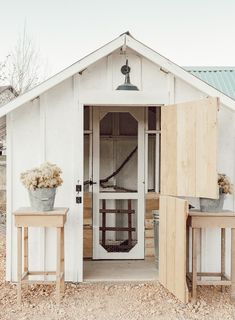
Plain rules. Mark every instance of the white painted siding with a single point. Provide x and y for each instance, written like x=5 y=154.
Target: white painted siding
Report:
x=105 y=76
x=226 y=164
x=59 y=149
x=50 y=136
x=153 y=79
x=24 y=154
x=185 y=92
x=95 y=76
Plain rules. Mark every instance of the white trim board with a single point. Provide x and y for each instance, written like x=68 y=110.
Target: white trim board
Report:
x=140 y=48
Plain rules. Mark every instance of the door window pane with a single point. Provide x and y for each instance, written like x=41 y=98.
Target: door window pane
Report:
x=151 y=118
x=118 y=154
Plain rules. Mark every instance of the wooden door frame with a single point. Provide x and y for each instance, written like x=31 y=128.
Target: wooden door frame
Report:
x=92 y=101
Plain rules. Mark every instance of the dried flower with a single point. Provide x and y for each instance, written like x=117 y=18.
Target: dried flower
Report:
x=45 y=176
x=224 y=183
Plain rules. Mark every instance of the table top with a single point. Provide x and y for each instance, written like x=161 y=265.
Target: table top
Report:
x=222 y=219
x=27 y=211
x=198 y=213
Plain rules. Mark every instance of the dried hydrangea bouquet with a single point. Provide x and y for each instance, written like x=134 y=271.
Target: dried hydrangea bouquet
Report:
x=224 y=184
x=41 y=183
x=216 y=205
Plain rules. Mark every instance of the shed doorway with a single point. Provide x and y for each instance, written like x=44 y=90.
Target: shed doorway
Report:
x=121 y=177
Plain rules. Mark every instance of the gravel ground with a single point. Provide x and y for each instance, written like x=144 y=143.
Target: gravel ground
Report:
x=122 y=301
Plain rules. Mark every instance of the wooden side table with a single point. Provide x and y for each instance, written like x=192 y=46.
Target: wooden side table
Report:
x=198 y=220
x=25 y=218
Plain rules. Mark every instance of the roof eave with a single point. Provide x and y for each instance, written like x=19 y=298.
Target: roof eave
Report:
x=180 y=72
x=64 y=74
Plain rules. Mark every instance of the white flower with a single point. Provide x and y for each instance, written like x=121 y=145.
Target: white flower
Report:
x=45 y=176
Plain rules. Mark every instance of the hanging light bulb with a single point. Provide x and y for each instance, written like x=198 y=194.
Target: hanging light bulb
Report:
x=125 y=69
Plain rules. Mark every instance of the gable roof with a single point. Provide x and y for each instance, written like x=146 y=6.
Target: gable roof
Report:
x=123 y=40
x=221 y=78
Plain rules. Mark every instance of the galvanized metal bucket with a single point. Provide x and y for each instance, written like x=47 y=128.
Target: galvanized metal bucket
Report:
x=212 y=205
x=42 y=199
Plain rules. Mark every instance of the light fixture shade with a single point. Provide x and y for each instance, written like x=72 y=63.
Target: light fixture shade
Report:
x=127 y=87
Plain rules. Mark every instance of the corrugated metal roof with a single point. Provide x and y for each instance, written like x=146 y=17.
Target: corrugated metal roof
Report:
x=221 y=78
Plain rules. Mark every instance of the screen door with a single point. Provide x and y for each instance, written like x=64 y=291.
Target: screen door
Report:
x=118 y=177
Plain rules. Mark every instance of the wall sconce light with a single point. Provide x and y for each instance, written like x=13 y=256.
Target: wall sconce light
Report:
x=127 y=84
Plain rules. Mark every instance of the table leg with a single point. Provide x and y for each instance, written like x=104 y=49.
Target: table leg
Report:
x=58 y=266
x=233 y=264
x=62 y=259
x=222 y=257
x=194 y=264
x=19 y=264
x=26 y=261
x=187 y=249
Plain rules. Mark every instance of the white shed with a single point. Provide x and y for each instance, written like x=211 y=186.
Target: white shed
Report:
x=109 y=142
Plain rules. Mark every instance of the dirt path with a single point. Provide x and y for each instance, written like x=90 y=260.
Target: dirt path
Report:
x=122 y=301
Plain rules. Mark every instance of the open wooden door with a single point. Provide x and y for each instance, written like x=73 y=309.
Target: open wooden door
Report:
x=172 y=252
x=188 y=149
x=188 y=169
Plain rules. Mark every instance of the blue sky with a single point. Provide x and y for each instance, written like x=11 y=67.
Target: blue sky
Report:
x=193 y=32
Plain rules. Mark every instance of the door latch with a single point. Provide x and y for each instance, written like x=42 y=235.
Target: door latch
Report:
x=78 y=200
x=78 y=189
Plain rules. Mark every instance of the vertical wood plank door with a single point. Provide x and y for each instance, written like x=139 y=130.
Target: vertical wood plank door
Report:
x=172 y=246
x=189 y=149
